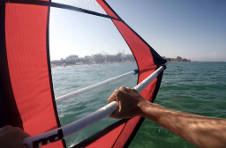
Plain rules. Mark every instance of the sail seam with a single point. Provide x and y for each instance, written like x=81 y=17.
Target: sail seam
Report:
x=62 y=6
x=50 y=74
x=99 y=134
x=119 y=135
x=7 y=98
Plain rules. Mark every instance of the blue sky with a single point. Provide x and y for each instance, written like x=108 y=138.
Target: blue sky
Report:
x=194 y=29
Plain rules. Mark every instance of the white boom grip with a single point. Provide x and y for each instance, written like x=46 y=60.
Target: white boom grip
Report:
x=59 y=133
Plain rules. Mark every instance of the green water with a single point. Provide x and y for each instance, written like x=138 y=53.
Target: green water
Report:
x=196 y=87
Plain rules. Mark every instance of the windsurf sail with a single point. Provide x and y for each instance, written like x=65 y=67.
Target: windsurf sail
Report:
x=26 y=96
x=87 y=120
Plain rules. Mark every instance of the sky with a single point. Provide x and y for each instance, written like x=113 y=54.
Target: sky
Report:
x=193 y=29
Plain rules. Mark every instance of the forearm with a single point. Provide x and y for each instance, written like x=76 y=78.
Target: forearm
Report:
x=202 y=131
x=199 y=130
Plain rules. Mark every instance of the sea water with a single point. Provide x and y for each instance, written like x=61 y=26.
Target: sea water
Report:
x=193 y=87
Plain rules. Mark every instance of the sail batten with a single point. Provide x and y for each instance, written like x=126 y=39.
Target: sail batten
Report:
x=62 y=6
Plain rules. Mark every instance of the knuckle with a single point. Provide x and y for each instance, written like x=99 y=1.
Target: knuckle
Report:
x=120 y=94
x=122 y=88
x=115 y=90
x=7 y=127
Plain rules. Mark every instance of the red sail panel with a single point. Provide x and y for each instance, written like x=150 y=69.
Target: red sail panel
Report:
x=146 y=63
x=26 y=29
x=117 y=137
x=140 y=49
x=108 y=140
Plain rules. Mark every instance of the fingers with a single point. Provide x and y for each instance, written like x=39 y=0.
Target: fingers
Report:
x=114 y=115
x=21 y=133
x=9 y=134
x=124 y=89
x=121 y=96
x=116 y=93
x=128 y=90
x=133 y=90
x=5 y=128
x=113 y=96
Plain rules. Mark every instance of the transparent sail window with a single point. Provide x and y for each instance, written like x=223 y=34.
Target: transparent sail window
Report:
x=84 y=50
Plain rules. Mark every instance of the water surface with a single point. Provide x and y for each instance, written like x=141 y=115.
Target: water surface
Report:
x=195 y=87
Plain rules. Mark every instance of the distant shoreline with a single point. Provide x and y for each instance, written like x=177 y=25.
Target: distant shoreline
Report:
x=52 y=65
x=177 y=59
x=94 y=59
x=104 y=59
